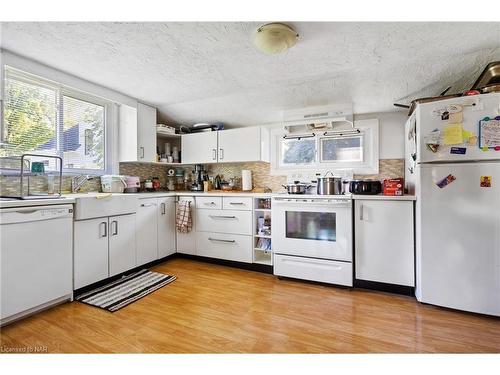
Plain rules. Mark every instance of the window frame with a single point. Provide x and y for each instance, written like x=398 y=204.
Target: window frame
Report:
x=369 y=129
x=362 y=142
x=110 y=116
x=295 y=165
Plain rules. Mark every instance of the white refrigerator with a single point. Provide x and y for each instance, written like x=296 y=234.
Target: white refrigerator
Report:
x=458 y=202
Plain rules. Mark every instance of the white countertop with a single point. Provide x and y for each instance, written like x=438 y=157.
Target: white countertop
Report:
x=381 y=197
x=12 y=203
x=70 y=198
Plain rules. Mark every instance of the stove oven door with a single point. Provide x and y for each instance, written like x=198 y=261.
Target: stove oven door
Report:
x=315 y=228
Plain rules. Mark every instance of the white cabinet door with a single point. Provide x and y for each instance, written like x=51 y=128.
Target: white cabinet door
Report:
x=239 y=145
x=121 y=243
x=384 y=249
x=199 y=148
x=90 y=251
x=166 y=226
x=147 y=233
x=146 y=133
x=186 y=242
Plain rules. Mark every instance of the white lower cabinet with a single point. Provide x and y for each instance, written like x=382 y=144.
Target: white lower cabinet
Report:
x=121 y=243
x=155 y=229
x=224 y=221
x=321 y=270
x=224 y=246
x=166 y=226
x=147 y=231
x=103 y=247
x=186 y=242
x=384 y=246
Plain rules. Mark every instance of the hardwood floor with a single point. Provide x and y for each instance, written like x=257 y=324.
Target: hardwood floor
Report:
x=217 y=309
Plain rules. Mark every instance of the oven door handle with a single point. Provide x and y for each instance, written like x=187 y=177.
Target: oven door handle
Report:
x=312 y=204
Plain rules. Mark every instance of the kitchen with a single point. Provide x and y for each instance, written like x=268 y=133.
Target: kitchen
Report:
x=276 y=210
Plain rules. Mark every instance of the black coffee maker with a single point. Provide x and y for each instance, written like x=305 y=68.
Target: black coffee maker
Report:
x=200 y=175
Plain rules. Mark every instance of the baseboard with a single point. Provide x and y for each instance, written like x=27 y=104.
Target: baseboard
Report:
x=230 y=263
x=385 y=287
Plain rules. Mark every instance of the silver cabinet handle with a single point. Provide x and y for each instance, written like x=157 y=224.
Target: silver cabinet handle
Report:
x=209 y=203
x=115 y=231
x=163 y=209
x=104 y=225
x=360 y=212
x=218 y=240
x=237 y=203
x=214 y=154
x=221 y=217
x=142 y=152
x=221 y=153
x=148 y=204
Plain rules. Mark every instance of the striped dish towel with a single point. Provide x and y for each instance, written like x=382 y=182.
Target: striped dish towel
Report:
x=183 y=221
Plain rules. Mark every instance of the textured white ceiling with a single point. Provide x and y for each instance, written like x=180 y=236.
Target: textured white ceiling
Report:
x=196 y=72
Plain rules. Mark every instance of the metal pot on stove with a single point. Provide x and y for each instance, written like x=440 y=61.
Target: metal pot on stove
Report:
x=296 y=187
x=329 y=185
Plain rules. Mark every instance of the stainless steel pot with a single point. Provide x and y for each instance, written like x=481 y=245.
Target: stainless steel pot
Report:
x=296 y=187
x=329 y=185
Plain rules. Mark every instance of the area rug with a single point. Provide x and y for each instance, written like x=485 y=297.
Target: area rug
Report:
x=124 y=291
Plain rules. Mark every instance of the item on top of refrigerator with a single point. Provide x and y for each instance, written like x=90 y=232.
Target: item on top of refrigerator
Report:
x=489 y=132
x=393 y=186
x=446 y=181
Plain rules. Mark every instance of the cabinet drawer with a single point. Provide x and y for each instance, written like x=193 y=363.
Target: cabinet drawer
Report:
x=224 y=246
x=224 y=221
x=326 y=271
x=214 y=203
x=235 y=203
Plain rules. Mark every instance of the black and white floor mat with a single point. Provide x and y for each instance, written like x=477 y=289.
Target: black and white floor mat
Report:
x=122 y=292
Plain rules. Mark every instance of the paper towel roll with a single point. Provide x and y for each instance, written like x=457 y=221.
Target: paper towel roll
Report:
x=246 y=180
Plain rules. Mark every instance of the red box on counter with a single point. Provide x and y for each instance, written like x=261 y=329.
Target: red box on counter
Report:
x=393 y=186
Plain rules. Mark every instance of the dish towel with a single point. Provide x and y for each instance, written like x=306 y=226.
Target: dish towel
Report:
x=183 y=221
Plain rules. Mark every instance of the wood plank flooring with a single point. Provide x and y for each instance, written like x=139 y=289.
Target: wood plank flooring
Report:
x=217 y=309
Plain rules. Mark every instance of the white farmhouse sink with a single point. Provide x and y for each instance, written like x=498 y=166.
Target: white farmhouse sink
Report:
x=91 y=205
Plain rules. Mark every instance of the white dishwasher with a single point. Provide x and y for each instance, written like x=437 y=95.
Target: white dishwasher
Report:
x=36 y=259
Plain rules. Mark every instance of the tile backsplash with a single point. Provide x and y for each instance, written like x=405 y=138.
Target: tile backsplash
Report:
x=261 y=177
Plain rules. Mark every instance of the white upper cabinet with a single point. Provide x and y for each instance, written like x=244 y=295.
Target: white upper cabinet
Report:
x=226 y=146
x=199 y=148
x=240 y=145
x=137 y=133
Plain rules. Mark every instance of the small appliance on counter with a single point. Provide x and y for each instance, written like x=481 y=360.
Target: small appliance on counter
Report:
x=200 y=175
x=365 y=187
x=133 y=184
x=113 y=183
x=393 y=186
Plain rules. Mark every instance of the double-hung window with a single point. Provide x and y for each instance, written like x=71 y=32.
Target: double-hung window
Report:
x=42 y=117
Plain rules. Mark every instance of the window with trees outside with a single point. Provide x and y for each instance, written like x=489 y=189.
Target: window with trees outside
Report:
x=44 y=118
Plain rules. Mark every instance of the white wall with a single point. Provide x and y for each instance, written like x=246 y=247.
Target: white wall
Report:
x=391 y=132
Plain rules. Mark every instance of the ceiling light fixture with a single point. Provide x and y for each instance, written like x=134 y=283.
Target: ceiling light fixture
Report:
x=275 y=38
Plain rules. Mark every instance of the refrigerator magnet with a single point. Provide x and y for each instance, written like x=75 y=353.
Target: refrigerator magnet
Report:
x=485 y=181
x=446 y=181
x=458 y=150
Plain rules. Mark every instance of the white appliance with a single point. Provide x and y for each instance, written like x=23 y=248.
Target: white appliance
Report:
x=36 y=259
x=312 y=238
x=457 y=222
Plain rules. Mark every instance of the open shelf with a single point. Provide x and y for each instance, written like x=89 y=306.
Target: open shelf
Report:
x=262 y=218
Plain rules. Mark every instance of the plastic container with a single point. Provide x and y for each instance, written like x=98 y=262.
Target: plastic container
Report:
x=113 y=183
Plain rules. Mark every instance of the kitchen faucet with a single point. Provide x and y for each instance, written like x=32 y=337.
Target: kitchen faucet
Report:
x=78 y=181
